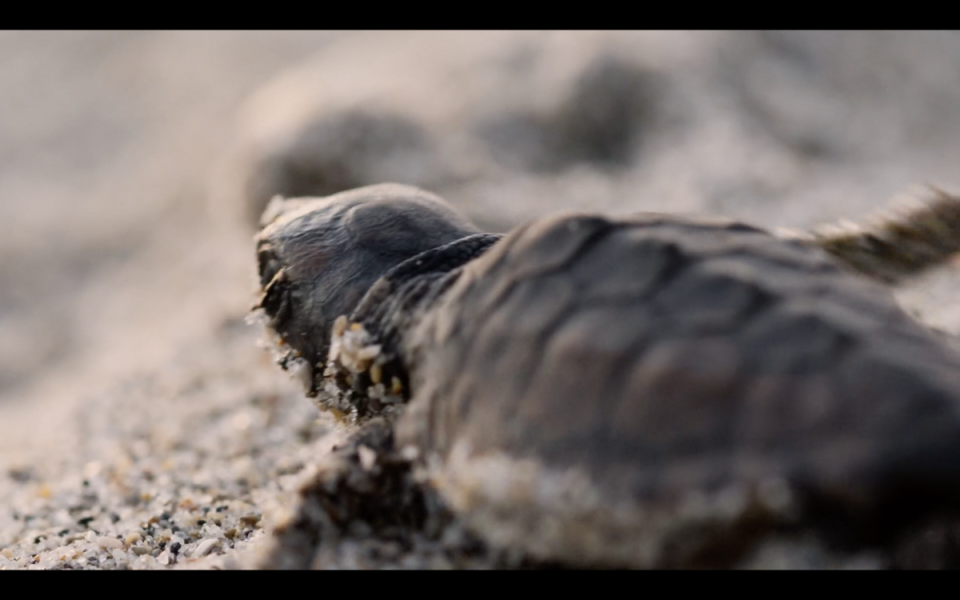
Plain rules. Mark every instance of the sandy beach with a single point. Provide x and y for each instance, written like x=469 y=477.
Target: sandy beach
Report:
x=142 y=423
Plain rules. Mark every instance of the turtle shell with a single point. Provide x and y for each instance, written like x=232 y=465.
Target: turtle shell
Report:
x=643 y=391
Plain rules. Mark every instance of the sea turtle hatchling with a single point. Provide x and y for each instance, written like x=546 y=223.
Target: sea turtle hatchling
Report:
x=642 y=391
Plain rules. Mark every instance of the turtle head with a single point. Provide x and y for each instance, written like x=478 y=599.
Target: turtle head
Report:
x=319 y=256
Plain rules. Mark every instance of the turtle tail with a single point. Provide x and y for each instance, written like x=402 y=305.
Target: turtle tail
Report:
x=919 y=233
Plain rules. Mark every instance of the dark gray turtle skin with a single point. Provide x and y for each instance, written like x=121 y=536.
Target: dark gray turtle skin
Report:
x=644 y=391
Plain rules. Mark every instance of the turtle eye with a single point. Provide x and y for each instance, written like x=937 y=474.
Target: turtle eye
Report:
x=276 y=299
x=268 y=262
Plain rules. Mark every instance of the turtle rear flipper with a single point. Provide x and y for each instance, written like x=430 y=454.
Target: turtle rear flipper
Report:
x=920 y=233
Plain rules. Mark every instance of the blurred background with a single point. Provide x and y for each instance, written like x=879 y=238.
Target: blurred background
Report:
x=133 y=166
x=111 y=255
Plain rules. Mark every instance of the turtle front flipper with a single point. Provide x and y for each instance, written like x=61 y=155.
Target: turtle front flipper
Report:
x=661 y=391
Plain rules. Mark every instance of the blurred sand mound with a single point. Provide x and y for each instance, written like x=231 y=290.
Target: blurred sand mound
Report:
x=513 y=125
